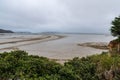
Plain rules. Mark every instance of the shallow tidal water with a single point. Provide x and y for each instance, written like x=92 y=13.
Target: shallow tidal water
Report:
x=64 y=48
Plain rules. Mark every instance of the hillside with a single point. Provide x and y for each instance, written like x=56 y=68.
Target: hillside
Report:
x=5 y=31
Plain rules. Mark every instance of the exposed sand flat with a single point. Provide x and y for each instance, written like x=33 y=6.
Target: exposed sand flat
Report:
x=25 y=40
x=15 y=37
x=13 y=45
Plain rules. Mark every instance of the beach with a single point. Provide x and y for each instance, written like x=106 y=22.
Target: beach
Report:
x=58 y=47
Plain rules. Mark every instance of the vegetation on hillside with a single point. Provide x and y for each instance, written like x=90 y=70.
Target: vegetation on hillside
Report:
x=19 y=65
x=115 y=31
x=5 y=31
x=115 y=28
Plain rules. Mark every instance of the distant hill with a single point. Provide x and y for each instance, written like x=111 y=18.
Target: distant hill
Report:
x=50 y=33
x=5 y=31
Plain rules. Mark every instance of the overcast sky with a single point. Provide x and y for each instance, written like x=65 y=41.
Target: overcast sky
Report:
x=89 y=16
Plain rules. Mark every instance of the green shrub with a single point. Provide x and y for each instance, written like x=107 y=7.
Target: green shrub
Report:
x=20 y=65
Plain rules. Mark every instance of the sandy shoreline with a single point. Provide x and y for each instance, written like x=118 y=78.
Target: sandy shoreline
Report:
x=56 y=47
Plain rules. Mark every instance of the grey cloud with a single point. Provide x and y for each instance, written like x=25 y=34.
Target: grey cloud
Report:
x=58 y=15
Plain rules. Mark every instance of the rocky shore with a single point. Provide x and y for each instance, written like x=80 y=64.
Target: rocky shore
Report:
x=97 y=45
x=5 y=31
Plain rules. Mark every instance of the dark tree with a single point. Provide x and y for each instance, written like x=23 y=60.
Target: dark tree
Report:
x=115 y=30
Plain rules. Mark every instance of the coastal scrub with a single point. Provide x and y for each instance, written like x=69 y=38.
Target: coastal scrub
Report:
x=19 y=65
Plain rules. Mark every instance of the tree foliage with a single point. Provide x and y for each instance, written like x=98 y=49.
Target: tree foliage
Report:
x=115 y=28
x=19 y=65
